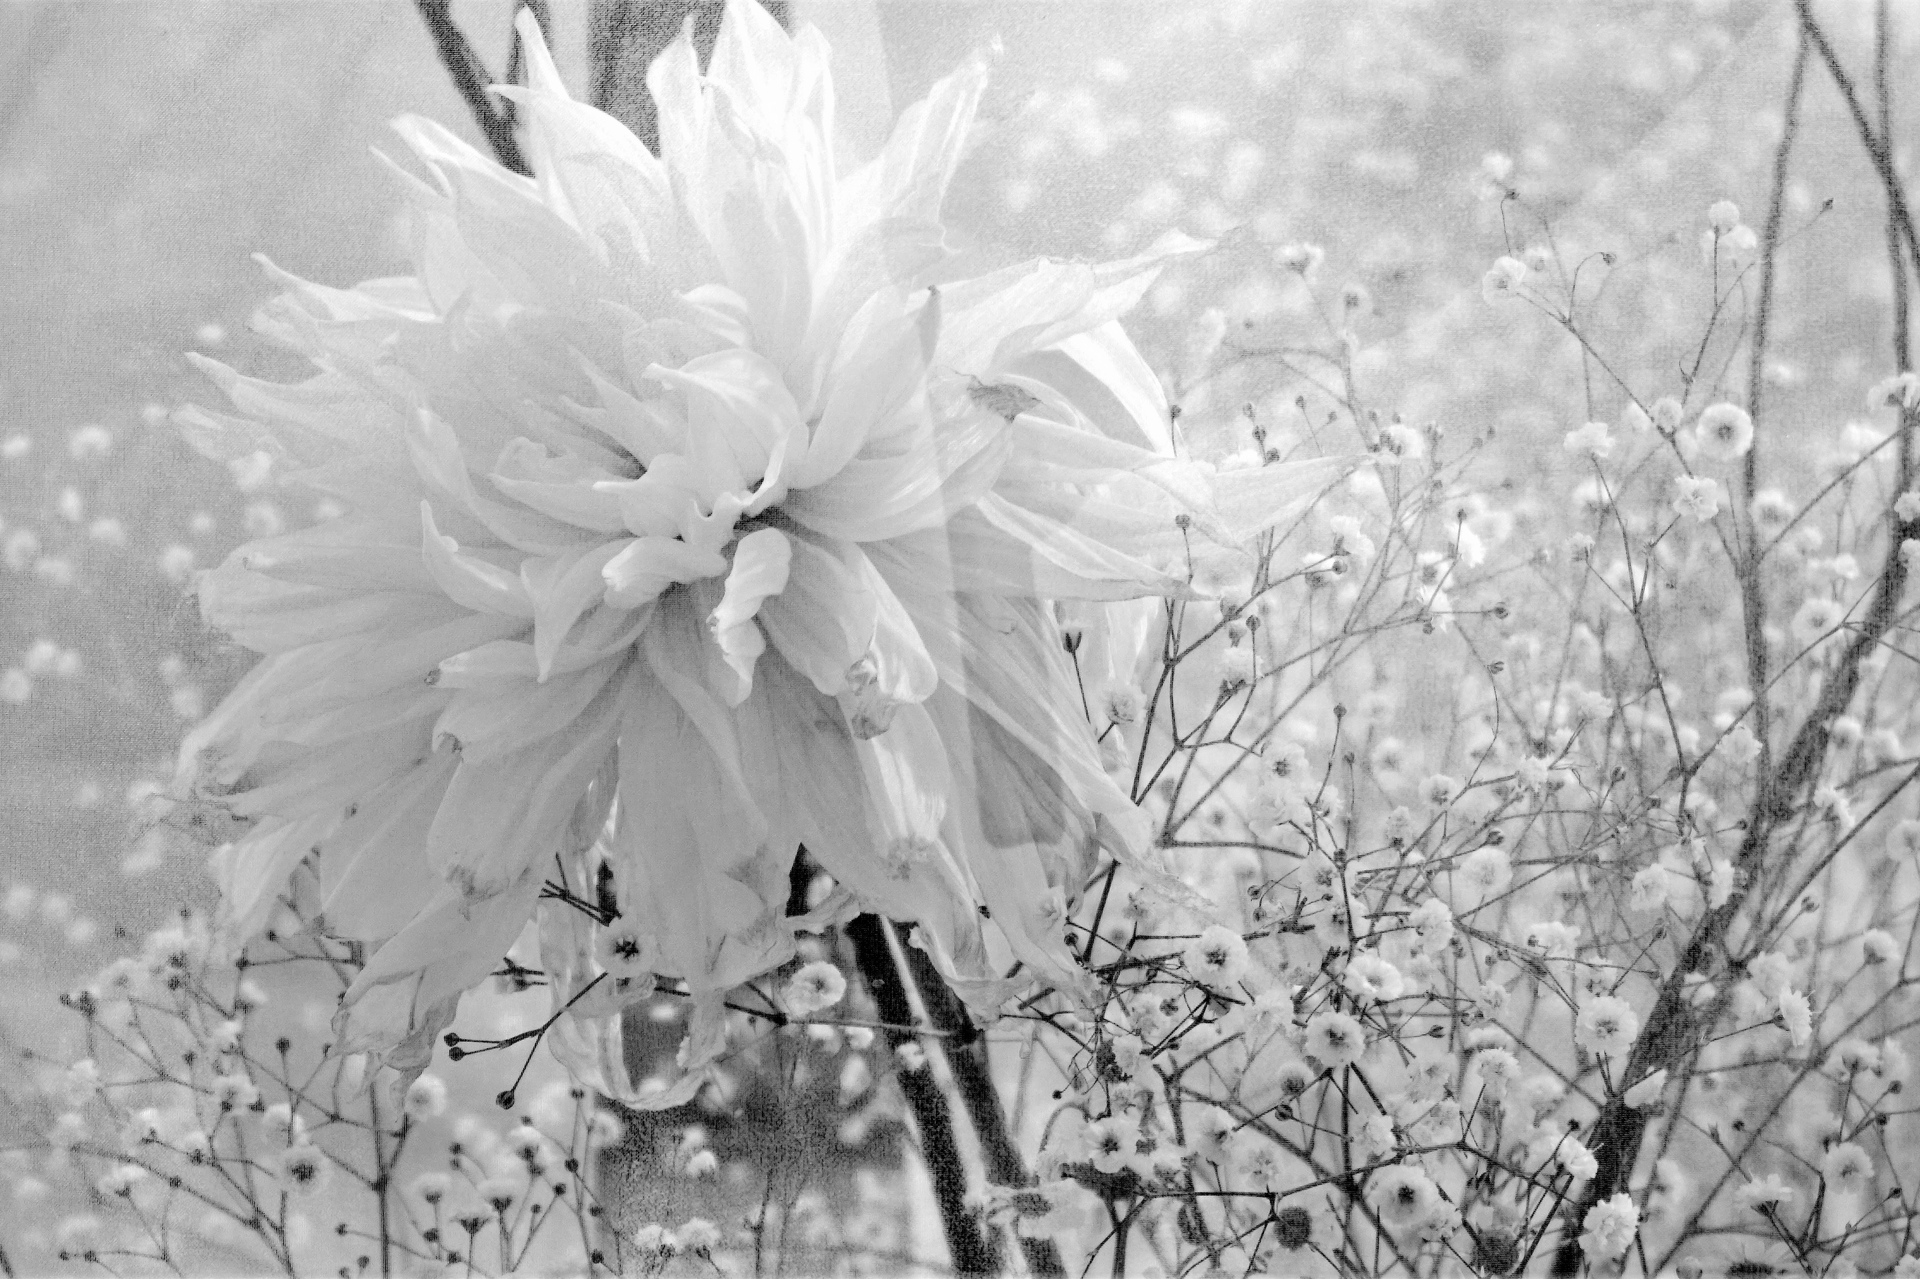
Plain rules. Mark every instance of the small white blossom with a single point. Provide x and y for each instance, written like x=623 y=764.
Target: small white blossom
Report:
x=1724 y=432
x=816 y=986
x=1591 y=440
x=1487 y=869
x=1607 y=1026
x=426 y=1098
x=1697 y=496
x=1334 y=1039
x=1816 y=619
x=1503 y=280
x=1369 y=978
x=1218 y=956
x=303 y=1168
x=1609 y=1228
x=1797 y=1012
x=1769 y=1191
x=1403 y=1195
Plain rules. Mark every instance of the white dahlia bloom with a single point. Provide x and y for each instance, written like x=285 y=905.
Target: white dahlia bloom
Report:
x=694 y=512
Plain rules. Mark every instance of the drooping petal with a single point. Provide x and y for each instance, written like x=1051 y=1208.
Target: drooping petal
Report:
x=760 y=563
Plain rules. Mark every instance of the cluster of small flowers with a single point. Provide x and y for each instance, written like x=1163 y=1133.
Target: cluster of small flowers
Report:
x=197 y=1121
x=1439 y=818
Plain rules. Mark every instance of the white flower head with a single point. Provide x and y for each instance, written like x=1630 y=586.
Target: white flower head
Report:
x=1652 y=888
x=1697 y=496
x=1816 y=620
x=1217 y=957
x=1573 y=1155
x=1369 y=978
x=816 y=986
x=1503 y=279
x=426 y=1098
x=1403 y=1194
x=1770 y=1191
x=303 y=1169
x=1796 y=1012
x=1334 y=1039
x=1607 y=1026
x=1609 y=1227
x=1592 y=440
x=1848 y=1168
x=1771 y=510
x=1487 y=870
x=1724 y=432
x=625 y=949
x=656 y=482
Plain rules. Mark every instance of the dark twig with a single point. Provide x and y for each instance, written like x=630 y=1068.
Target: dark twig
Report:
x=966 y=1053
x=1753 y=604
x=470 y=79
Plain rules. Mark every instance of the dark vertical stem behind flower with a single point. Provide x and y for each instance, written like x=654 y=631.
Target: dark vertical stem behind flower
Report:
x=470 y=80
x=966 y=1052
x=971 y=1251
x=625 y=36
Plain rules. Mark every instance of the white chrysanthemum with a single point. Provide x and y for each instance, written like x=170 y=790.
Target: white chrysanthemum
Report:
x=672 y=479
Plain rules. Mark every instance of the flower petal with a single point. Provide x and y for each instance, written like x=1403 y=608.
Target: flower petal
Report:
x=646 y=566
x=561 y=589
x=760 y=563
x=468 y=580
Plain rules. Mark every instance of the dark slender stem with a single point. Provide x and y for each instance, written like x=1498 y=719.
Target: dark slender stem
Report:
x=470 y=79
x=971 y=1251
x=1896 y=260
x=1753 y=604
x=966 y=1053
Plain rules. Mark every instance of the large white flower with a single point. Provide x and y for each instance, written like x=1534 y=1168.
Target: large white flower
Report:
x=691 y=491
